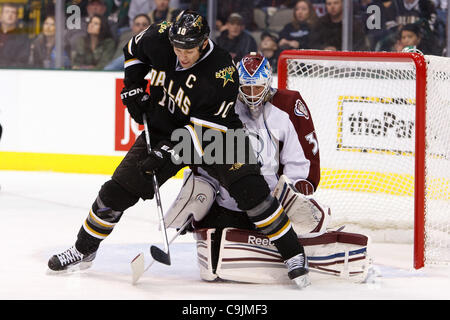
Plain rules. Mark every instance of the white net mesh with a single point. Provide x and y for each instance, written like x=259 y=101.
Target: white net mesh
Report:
x=364 y=114
x=437 y=211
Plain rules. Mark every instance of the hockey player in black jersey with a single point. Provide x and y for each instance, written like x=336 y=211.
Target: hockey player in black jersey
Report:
x=193 y=88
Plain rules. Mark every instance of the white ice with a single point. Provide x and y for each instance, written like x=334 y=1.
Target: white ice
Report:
x=41 y=213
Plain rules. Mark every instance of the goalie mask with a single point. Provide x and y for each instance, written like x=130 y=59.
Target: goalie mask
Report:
x=255 y=81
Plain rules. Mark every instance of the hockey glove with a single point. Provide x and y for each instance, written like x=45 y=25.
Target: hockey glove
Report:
x=158 y=158
x=137 y=101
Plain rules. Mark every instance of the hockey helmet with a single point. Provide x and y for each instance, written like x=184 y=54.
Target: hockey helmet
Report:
x=189 y=30
x=255 y=80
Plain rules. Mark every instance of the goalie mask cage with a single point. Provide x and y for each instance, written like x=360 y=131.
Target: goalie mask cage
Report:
x=383 y=126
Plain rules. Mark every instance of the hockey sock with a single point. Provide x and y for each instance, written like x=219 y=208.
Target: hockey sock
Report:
x=111 y=202
x=271 y=220
x=98 y=225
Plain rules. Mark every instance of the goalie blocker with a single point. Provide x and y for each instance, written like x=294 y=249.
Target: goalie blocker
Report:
x=229 y=249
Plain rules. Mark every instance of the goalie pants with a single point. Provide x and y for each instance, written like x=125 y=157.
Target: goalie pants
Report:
x=243 y=181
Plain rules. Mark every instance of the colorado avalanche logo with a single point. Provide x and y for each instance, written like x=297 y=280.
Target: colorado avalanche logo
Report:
x=300 y=109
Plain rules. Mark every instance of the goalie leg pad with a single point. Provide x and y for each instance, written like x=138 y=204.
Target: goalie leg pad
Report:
x=249 y=256
x=341 y=254
x=206 y=260
x=195 y=198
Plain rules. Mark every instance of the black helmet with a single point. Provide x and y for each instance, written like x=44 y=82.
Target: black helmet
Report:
x=189 y=30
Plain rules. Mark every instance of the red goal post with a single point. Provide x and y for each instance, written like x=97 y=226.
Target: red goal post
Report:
x=328 y=70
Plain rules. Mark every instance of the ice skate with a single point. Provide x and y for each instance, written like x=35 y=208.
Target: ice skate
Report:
x=70 y=260
x=298 y=270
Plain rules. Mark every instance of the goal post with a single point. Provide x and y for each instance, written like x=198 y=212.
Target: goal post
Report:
x=383 y=126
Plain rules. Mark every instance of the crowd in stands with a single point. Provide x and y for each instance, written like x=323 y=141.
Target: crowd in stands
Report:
x=268 y=26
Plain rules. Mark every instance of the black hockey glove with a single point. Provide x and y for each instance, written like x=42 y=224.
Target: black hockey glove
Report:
x=137 y=101
x=158 y=158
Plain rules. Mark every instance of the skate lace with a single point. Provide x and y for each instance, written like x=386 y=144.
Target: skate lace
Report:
x=69 y=256
x=295 y=262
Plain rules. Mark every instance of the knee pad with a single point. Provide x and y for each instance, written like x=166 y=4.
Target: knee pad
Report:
x=114 y=196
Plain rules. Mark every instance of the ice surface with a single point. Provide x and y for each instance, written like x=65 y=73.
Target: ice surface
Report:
x=41 y=213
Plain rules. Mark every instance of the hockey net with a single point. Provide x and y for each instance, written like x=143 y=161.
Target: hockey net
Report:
x=383 y=127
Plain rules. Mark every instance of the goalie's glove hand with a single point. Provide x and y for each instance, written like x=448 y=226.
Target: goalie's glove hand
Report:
x=137 y=101
x=304 y=187
x=157 y=158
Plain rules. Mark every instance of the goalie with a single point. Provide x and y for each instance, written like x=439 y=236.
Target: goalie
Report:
x=282 y=133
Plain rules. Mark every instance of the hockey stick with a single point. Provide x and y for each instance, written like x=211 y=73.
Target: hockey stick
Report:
x=157 y=253
x=138 y=267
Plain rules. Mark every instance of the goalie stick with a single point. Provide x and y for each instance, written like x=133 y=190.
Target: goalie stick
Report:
x=157 y=253
x=138 y=267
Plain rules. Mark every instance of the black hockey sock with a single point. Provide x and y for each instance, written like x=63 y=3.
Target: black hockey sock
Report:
x=98 y=225
x=288 y=245
x=271 y=220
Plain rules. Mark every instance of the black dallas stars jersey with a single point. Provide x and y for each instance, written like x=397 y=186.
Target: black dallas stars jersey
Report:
x=200 y=96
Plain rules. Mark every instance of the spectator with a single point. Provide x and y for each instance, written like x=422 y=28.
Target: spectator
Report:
x=95 y=50
x=93 y=7
x=296 y=34
x=43 y=52
x=140 y=23
x=139 y=7
x=387 y=18
x=123 y=7
x=226 y=7
x=162 y=12
x=411 y=11
x=235 y=39
x=419 y=12
x=14 y=43
x=422 y=12
x=412 y=35
x=146 y=6
x=269 y=49
x=329 y=30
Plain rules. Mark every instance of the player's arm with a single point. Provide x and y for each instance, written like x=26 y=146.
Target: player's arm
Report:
x=137 y=64
x=137 y=57
x=300 y=153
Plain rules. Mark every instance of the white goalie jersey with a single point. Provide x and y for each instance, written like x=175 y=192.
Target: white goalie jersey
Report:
x=284 y=141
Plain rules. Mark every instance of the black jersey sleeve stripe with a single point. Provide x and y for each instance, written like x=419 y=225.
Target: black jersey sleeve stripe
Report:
x=131 y=62
x=208 y=124
x=195 y=140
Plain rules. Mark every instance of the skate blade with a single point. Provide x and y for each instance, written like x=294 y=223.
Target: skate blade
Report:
x=302 y=281
x=79 y=267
